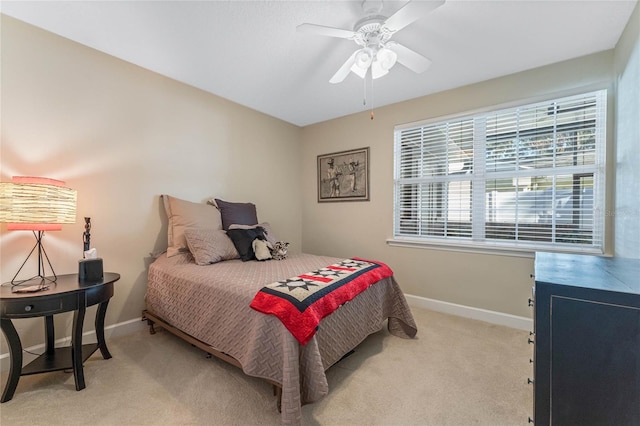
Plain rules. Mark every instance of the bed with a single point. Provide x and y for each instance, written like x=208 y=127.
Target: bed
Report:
x=209 y=305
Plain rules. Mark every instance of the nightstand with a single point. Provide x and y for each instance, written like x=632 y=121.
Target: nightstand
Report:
x=66 y=294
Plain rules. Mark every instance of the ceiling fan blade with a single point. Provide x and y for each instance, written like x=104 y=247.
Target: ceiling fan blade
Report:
x=325 y=31
x=410 y=59
x=344 y=70
x=409 y=13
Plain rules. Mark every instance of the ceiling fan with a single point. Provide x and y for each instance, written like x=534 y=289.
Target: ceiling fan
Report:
x=373 y=34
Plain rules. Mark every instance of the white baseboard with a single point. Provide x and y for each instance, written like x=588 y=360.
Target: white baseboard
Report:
x=493 y=317
x=115 y=330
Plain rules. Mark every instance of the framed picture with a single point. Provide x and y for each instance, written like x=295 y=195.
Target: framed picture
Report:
x=344 y=176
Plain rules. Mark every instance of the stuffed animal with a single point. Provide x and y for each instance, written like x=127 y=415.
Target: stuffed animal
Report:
x=262 y=249
x=279 y=250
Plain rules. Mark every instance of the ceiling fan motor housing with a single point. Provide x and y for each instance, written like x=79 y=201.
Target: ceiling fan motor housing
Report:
x=371 y=33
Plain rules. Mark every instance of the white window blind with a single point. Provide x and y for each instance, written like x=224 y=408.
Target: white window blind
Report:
x=530 y=177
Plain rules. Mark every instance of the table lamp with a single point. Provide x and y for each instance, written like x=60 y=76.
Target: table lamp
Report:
x=36 y=204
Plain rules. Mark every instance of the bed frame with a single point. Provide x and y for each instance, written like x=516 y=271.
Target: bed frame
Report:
x=153 y=320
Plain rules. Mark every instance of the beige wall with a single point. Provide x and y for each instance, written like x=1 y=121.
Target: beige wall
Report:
x=122 y=135
x=627 y=206
x=486 y=281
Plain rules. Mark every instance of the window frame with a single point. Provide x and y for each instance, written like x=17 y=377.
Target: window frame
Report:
x=512 y=247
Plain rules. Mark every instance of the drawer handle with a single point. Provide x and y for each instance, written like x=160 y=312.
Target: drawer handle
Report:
x=529 y=381
x=28 y=308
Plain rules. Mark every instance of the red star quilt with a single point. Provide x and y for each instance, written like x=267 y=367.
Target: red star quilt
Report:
x=302 y=302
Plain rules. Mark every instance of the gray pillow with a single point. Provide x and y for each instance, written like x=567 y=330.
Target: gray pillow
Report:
x=183 y=214
x=238 y=213
x=210 y=245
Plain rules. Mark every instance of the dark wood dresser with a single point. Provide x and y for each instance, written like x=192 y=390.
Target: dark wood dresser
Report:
x=587 y=340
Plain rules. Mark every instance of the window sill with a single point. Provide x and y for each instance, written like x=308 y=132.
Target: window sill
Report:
x=484 y=248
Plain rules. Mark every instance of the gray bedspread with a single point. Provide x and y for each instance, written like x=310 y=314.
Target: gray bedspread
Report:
x=211 y=303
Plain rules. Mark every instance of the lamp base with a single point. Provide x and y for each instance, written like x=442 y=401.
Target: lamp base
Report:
x=31 y=288
x=42 y=255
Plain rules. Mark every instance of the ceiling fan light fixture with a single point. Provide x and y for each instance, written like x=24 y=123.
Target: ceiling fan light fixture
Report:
x=386 y=58
x=377 y=70
x=360 y=72
x=364 y=58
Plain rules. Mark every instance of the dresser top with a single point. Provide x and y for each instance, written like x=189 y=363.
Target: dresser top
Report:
x=604 y=273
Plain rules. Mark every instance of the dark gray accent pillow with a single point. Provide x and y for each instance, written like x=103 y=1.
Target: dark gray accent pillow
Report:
x=243 y=240
x=265 y=225
x=237 y=213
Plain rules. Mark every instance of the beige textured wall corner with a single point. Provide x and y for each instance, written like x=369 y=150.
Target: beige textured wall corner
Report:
x=626 y=212
x=493 y=282
x=121 y=135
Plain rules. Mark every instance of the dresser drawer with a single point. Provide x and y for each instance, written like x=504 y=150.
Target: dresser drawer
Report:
x=36 y=306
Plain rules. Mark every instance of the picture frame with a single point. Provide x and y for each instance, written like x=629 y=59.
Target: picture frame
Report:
x=343 y=176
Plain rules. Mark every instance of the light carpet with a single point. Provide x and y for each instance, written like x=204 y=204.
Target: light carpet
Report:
x=457 y=371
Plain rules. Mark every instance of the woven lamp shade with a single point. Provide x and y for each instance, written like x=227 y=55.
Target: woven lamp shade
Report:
x=36 y=204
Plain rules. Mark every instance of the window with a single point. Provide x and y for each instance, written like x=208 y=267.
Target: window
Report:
x=529 y=178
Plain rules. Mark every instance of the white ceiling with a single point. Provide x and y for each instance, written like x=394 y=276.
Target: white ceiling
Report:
x=249 y=51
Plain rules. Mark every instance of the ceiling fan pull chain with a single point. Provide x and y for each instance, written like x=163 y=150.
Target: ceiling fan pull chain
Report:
x=364 y=89
x=372 y=99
